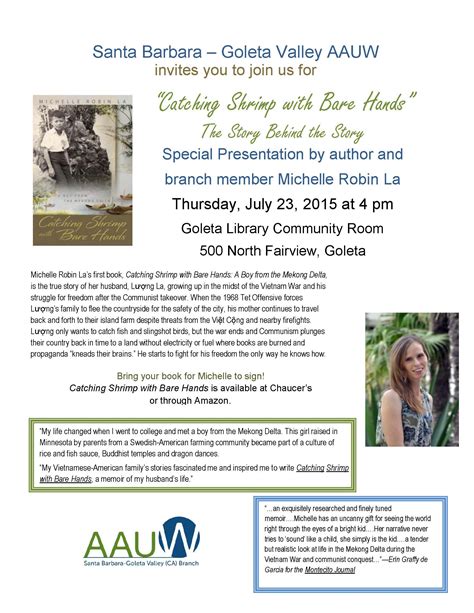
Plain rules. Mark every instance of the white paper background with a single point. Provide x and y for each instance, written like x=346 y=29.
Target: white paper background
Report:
x=421 y=264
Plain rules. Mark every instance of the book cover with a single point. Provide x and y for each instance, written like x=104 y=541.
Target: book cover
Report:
x=82 y=170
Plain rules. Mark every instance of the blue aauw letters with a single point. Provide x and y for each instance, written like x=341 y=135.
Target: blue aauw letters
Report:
x=282 y=51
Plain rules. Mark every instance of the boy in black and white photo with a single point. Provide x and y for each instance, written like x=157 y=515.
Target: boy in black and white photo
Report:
x=55 y=144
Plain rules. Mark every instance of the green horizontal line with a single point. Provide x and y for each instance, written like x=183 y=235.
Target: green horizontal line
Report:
x=193 y=420
x=194 y=489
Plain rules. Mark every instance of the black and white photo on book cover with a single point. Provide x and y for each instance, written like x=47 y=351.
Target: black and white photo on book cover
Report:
x=82 y=170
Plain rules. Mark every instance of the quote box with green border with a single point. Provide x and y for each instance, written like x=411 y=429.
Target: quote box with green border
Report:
x=337 y=420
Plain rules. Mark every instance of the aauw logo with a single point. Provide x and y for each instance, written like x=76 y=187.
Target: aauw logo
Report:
x=178 y=538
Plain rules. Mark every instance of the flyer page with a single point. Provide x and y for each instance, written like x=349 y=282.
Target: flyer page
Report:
x=237 y=306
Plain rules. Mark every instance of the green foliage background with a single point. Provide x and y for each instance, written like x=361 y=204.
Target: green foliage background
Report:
x=379 y=340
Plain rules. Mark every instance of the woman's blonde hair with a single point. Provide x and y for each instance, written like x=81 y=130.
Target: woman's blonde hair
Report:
x=398 y=379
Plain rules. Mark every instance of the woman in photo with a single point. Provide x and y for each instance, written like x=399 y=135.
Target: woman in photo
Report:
x=405 y=417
